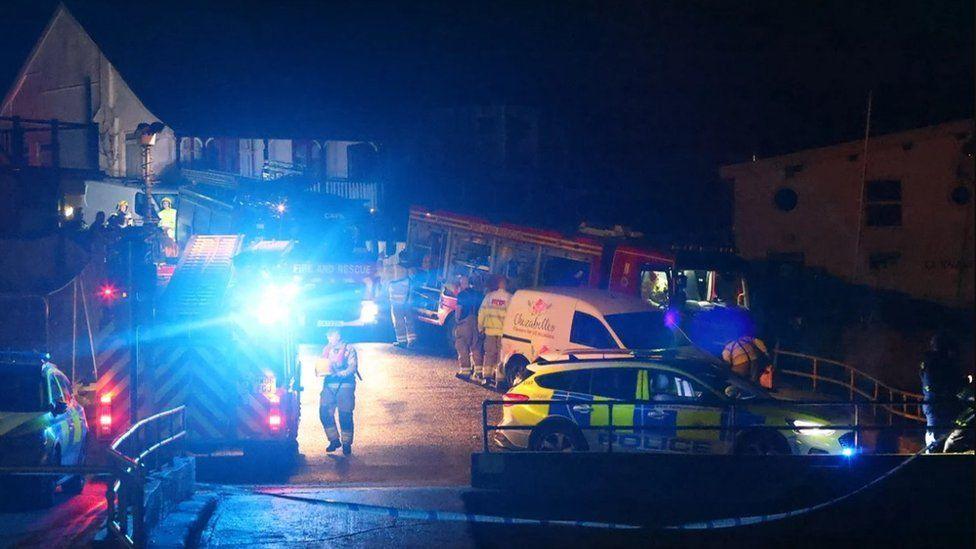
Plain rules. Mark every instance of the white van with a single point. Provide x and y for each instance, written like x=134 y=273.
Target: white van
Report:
x=544 y=320
x=104 y=195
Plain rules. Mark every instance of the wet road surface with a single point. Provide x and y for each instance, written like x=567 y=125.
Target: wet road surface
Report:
x=416 y=425
x=72 y=521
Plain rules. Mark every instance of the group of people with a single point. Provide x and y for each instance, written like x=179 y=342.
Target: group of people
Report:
x=479 y=321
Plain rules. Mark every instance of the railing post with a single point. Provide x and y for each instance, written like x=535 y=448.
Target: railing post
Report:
x=610 y=428
x=139 y=514
x=852 y=385
x=857 y=431
x=484 y=425
x=815 y=374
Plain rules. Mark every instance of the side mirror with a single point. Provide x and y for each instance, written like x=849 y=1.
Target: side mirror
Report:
x=59 y=408
x=732 y=392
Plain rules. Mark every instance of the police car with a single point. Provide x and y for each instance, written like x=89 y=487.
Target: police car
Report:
x=670 y=399
x=41 y=424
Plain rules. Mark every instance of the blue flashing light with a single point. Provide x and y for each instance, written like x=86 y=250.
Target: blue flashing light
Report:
x=847 y=452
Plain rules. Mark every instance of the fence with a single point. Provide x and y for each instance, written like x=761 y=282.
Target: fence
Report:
x=151 y=442
x=831 y=377
x=736 y=421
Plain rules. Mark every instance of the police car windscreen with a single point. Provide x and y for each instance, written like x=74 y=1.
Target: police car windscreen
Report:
x=20 y=392
x=642 y=330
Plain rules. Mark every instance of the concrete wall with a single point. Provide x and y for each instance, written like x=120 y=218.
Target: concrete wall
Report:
x=68 y=78
x=932 y=249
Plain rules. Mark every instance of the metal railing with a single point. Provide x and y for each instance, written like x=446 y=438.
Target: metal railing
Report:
x=831 y=376
x=729 y=430
x=147 y=445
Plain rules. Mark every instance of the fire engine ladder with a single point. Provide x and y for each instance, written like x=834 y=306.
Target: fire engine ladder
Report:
x=201 y=276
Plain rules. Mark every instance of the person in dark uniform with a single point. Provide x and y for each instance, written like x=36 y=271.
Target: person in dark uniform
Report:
x=339 y=366
x=467 y=339
x=941 y=380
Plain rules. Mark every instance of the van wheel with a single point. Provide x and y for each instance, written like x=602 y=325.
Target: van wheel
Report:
x=514 y=369
x=557 y=438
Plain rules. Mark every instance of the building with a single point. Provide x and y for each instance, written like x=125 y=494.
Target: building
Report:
x=894 y=215
x=98 y=72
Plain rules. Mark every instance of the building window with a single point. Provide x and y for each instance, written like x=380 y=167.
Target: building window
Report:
x=790 y=172
x=882 y=203
x=785 y=199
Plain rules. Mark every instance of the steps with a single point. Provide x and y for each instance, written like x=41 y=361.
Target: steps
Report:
x=197 y=286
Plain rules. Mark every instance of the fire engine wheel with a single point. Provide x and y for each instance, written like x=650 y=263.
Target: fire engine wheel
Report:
x=448 y=335
x=762 y=443
x=555 y=437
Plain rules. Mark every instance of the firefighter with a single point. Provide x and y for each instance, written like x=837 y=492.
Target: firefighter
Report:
x=167 y=218
x=402 y=316
x=167 y=222
x=339 y=366
x=491 y=321
x=467 y=340
x=121 y=218
x=940 y=381
x=748 y=358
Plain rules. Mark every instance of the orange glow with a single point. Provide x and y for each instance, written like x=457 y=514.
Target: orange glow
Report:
x=272 y=398
x=106 y=399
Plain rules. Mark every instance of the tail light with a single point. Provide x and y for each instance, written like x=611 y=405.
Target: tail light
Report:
x=511 y=398
x=104 y=414
x=275 y=420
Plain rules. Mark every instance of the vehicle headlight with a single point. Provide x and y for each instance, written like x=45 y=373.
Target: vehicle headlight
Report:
x=275 y=303
x=369 y=311
x=810 y=428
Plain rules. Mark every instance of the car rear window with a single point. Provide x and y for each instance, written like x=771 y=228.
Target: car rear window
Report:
x=21 y=392
x=574 y=381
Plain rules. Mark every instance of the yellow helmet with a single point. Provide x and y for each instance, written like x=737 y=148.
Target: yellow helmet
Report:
x=123 y=204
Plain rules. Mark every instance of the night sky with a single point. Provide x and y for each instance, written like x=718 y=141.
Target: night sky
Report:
x=655 y=95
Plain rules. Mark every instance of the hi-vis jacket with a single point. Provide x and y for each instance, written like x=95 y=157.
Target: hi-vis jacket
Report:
x=491 y=316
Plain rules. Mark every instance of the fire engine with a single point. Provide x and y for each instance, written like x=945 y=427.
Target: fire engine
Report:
x=449 y=244
x=325 y=255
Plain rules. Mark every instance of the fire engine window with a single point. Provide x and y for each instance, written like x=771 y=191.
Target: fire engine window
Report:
x=517 y=263
x=728 y=288
x=427 y=245
x=655 y=287
x=471 y=257
x=696 y=285
x=564 y=271
x=590 y=332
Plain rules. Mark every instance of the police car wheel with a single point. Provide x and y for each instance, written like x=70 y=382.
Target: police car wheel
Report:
x=557 y=438
x=762 y=444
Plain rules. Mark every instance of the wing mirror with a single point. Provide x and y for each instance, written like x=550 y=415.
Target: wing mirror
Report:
x=733 y=392
x=60 y=407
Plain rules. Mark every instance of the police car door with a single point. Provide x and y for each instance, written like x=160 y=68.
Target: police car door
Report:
x=60 y=418
x=616 y=383
x=676 y=411
x=75 y=426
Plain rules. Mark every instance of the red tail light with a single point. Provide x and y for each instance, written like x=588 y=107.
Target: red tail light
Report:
x=514 y=397
x=274 y=420
x=104 y=416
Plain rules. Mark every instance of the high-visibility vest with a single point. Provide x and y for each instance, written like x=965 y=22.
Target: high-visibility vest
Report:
x=491 y=315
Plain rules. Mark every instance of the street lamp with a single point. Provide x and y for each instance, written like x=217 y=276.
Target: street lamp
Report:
x=147 y=133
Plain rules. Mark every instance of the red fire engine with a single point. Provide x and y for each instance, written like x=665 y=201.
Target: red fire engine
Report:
x=449 y=245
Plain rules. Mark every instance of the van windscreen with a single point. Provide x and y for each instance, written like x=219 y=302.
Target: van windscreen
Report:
x=641 y=330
